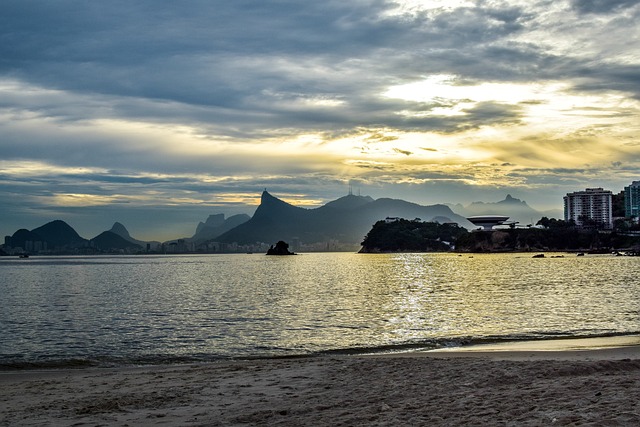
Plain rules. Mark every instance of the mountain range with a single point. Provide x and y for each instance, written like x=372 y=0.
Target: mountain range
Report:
x=516 y=209
x=59 y=237
x=346 y=220
x=214 y=226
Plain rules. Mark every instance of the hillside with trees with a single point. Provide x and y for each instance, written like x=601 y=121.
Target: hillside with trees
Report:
x=535 y=239
x=411 y=235
x=344 y=220
x=557 y=235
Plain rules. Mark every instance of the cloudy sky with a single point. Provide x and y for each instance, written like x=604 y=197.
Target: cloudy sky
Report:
x=159 y=113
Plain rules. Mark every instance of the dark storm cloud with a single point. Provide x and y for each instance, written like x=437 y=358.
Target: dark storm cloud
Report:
x=493 y=112
x=245 y=62
x=240 y=68
x=145 y=43
x=625 y=78
x=602 y=6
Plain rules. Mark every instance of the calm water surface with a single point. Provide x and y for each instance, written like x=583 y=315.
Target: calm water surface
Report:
x=153 y=309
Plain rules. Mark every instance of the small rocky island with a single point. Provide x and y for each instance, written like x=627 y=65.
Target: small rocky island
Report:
x=281 y=248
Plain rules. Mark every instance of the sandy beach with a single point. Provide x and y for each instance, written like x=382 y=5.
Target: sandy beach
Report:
x=485 y=387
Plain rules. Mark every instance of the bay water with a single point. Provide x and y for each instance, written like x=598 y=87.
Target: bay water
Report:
x=125 y=310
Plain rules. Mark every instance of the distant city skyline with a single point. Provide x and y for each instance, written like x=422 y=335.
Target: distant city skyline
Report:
x=158 y=114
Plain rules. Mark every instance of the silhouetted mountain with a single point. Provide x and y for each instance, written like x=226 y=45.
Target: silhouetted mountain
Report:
x=59 y=234
x=271 y=222
x=213 y=221
x=382 y=208
x=350 y=202
x=217 y=225
x=22 y=236
x=122 y=231
x=55 y=236
x=516 y=209
x=109 y=241
x=347 y=219
x=58 y=237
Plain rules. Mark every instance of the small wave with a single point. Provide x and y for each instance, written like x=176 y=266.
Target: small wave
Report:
x=461 y=342
x=265 y=352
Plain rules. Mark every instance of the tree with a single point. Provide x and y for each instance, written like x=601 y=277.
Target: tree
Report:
x=404 y=235
x=555 y=223
x=617 y=205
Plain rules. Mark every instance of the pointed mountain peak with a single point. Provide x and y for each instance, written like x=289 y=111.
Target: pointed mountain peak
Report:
x=512 y=200
x=266 y=196
x=271 y=206
x=268 y=199
x=120 y=230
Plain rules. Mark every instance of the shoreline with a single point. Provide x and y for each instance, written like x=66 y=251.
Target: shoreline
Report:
x=453 y=387
x=617 y=346
x=568 y=349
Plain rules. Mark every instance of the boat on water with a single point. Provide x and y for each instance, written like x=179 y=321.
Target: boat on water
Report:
x=23 y=256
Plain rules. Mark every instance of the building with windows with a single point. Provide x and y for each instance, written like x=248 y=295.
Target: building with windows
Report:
x=632 y=200
x=590 y=208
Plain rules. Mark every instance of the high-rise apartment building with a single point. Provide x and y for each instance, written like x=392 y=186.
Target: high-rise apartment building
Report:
x=632 y=200
x=588 y=208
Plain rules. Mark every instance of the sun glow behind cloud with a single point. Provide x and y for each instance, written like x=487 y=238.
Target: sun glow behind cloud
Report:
x=552 y=110
x=27 y=168
x=451 y=88
x=83 y=200
x=417 y=6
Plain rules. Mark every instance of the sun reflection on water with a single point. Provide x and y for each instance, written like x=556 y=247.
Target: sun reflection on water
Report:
x=238 y=305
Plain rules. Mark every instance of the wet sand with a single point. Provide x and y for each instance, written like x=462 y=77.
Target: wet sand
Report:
x=524 y=387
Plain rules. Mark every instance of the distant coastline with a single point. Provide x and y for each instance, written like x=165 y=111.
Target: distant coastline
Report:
x=413 y=236
x=338 y=226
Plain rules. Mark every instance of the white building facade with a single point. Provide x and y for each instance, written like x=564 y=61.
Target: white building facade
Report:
x=591 y=207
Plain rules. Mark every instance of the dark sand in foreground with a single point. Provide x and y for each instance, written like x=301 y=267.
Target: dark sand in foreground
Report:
x=517 y=387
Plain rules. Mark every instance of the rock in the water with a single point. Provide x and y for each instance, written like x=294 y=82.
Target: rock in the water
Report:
x=281 y=248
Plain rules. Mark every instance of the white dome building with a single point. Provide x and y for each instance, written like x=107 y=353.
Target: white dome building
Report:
x=487 y=222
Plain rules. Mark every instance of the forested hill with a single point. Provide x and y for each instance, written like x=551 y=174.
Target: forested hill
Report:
x=414 y=236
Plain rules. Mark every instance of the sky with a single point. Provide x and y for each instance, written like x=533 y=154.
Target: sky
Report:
x=157 y=114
